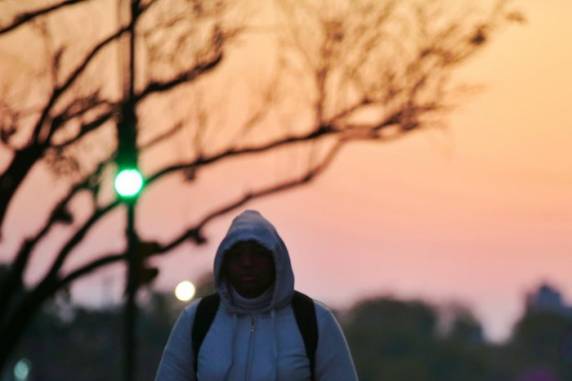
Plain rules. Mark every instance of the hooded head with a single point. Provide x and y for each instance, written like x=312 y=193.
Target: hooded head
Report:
x=251 y=226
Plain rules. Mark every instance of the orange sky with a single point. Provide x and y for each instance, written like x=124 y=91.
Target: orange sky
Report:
x=480 y=213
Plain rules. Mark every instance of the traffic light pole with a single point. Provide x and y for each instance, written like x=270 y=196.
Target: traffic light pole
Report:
x=127 y=156
x=134 y=264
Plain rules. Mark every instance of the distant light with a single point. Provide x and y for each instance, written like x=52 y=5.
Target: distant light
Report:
x=185 y=291
x=22 y=369
x=128 y=182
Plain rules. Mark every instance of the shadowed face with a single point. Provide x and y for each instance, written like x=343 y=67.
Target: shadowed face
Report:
x=249 y=268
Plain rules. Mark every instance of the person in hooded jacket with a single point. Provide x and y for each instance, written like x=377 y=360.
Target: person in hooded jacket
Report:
x=254 y=335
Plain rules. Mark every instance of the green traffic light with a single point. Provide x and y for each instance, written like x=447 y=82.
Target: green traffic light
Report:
x=128 y=182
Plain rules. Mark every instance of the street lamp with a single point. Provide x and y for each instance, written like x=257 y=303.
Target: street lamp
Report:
x=185 y=291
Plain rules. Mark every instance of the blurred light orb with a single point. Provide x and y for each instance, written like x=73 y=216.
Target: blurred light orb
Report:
x=22 y=370
x=128 y=182
x=185 y=291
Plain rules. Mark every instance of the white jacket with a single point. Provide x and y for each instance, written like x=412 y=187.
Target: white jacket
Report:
x=256 y=340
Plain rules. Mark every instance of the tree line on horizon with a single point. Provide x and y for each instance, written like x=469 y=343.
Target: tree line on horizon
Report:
x=390 y=339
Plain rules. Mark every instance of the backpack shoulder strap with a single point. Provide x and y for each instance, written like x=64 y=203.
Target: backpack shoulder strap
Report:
x=305 y=314
x=204 y=316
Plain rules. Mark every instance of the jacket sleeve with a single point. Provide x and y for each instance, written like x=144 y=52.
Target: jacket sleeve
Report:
x=176 y=361
x=333 y=358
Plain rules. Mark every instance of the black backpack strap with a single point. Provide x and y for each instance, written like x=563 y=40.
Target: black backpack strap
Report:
x=204 y=316
x=305 y=314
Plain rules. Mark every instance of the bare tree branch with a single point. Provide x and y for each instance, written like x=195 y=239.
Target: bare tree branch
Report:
x=86 y=128
x=55 y=282
x=202 y=161
x=100 y=212
x=191 y=233
x=61 y=214
x=276 y=188
x=268 y=98
x=92 y=266
x=24 y=159
x=183 y=77
x=194 y=233
x=162 y=136
x=59 y=90
x=321 y=131
x=78 y=237
x=351 y=109
x=72 y=77
x=25 y=17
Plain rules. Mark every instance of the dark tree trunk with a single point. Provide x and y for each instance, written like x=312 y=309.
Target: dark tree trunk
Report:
x=14 y=175
x=14 y=327
x=13 y=284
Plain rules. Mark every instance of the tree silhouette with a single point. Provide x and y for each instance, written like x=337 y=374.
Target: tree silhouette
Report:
x=401 y=340
x=342 y=72
x=389 y=338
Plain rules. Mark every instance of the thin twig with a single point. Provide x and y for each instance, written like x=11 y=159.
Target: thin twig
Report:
x=25 y=17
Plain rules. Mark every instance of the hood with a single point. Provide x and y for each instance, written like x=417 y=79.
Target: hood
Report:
x=251 y=225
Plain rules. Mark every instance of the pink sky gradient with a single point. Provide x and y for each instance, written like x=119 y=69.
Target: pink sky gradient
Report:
x=479 y=213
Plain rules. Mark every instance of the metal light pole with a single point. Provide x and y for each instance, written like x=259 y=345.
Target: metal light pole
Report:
x=127 y=158
x=131 y=303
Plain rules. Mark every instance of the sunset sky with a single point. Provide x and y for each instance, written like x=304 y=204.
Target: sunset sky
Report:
x=477 y=213
x=480 y=213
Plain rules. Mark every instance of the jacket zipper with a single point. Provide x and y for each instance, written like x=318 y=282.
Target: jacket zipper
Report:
x=250 y=348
